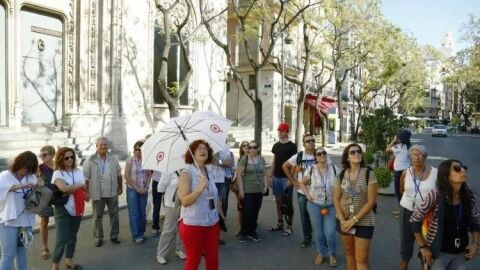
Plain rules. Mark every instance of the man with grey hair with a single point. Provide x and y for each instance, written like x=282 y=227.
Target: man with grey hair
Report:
x=103 y=179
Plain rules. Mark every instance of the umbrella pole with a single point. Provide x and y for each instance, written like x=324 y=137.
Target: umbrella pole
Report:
x=189 y=150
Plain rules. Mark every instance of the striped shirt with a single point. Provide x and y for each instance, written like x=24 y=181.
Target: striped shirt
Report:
x=199 y=213
x=137 y=174
x=357 y=194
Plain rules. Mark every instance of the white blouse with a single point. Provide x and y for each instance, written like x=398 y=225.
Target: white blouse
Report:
x=70 y=178
x=12 y=202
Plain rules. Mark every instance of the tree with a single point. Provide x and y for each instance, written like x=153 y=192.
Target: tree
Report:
x=175 y=17
x=260 y=25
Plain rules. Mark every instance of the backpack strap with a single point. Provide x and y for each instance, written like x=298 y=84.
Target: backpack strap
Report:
x=299 y=158
x=334 y=170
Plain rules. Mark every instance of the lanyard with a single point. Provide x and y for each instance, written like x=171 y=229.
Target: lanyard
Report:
x=415 y=179
x=25 y=193
x=458 y=216
x=352 y=188
x=103 y=164
x=324 y=180
x=71 y=176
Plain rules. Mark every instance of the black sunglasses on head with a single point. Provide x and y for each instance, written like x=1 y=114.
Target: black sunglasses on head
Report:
x=458 y=167
x=321 y=153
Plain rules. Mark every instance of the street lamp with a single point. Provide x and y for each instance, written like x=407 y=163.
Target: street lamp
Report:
x=287 y=40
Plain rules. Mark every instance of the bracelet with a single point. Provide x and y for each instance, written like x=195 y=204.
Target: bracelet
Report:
x=355 y=219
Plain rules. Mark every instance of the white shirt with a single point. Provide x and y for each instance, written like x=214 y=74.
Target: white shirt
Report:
x=415 y=191
x=168 y=185
x=12 y=203
x=402 y=160
x=307 y=162
x=216 y=173
x=227 y=155
x=321 y=188
x=70 y=178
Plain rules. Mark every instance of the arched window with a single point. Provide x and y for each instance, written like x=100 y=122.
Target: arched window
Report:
x=3 y=65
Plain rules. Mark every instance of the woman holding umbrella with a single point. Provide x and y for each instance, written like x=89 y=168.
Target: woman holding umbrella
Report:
x=199 y=222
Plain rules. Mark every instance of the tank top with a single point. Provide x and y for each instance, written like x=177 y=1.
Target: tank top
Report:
x=199 y=213
x=415 y=191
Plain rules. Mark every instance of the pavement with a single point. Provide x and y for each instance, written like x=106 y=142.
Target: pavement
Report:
x=273 y=251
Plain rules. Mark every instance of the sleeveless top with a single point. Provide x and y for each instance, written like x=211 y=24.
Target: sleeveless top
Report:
x=321 y=187
x=416 y=190
x=137 y=174
x=199 y=213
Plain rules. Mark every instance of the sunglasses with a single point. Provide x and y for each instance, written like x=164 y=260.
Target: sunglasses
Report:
x=310 y=141
x=253 y=147
x=321 y=153
x=355 y=152
x=245 y=145
x=137 y=149
x=458 y=167
x=43 y=155
x=68 y=158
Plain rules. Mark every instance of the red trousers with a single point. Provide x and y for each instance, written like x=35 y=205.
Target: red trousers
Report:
x=198 y=241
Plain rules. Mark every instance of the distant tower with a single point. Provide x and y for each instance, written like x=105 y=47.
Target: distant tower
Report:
x=448 y=47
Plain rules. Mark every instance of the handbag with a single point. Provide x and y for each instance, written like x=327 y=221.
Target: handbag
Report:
x=390 y=164
x=79 y=198
x=37 y=199
x=58 y=197
x=234 y=185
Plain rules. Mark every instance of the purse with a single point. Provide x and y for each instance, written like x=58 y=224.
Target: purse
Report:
x=37 y=199
x=58 y=197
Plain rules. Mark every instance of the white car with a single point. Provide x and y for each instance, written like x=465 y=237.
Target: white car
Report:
x=439 y=130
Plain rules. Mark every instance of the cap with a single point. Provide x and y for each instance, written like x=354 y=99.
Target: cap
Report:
x=283 y=127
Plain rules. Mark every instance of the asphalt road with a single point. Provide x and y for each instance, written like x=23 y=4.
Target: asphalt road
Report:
x=273 y=251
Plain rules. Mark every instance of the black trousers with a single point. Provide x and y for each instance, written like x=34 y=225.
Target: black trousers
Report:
x=252 y=202
x=157 y=202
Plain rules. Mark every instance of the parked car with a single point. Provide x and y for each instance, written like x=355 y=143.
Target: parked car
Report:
x=439 y=130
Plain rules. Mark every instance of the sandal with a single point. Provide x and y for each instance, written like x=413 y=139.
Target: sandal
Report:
x=287 y=232
x=45 y=254
x=333 y=262
x=277 y=227
x=318 y=259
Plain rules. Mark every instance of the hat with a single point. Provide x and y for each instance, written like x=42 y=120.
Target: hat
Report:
x=283 y=127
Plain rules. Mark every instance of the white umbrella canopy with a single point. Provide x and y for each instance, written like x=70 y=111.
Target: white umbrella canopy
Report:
x=164 y=151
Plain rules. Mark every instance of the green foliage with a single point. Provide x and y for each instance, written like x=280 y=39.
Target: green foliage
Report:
x=369 y=156
x=384 y=176
x=379 y=128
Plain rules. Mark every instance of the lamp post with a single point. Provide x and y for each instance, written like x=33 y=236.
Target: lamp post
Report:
x=286 y=40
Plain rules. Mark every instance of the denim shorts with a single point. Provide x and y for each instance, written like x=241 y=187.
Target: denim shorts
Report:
x=280 y=185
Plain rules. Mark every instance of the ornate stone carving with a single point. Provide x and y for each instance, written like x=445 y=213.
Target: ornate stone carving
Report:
x=70 y=98
x=92 y=37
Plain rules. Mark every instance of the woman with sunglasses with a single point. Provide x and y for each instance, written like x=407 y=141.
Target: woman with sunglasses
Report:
x=442 y=222
x=317 y=184
x=47 y=153
x=243 y=150
x=15 y=183
x=250 y=174
x=415 y=182
x=69 y=179
x=138 y=181
x=354 y=197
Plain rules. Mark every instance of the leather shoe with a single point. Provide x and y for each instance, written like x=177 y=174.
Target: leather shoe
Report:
x=98 y=243
x=115 y=241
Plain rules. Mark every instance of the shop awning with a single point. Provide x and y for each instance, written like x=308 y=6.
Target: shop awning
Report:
x=324 y=104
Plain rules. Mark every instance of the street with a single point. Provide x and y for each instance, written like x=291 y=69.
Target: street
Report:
x=273 y=251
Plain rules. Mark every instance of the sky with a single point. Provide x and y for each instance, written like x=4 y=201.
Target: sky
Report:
x=429 y=20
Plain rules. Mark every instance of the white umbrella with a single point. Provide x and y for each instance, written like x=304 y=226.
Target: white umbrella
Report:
x=164 y=151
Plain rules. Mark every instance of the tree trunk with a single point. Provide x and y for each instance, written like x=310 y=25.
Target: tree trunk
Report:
x=172 y=108
x=299 y=124
x=338 y=88
x=258 y=121
x=324 y=129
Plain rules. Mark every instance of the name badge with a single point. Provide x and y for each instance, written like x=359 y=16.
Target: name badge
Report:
x=457 y=242
x=352 y=208
x=211 y=203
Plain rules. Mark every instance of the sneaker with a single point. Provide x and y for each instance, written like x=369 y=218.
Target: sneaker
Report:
x=98 y=242
x=161 y=260
x=139 y=240
x=254 y=237
x=180 y=254
x=155 y=233
x=243 y=239
x=307 y=241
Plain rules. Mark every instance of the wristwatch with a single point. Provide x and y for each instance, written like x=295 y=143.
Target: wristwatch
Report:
x=355 y=219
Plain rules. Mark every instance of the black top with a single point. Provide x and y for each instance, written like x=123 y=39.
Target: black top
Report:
x=455 y=238
x=282 y=152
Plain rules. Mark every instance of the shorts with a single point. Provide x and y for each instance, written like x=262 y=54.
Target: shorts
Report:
x=280 y=185
x=365 y=232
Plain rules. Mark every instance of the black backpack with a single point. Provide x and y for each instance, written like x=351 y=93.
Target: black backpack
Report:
x=367 y=176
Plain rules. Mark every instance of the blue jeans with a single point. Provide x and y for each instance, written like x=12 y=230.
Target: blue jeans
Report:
x=324 y=227
x=304 y=216
x=446 y=261
x=137 y=212
x=9 y=249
